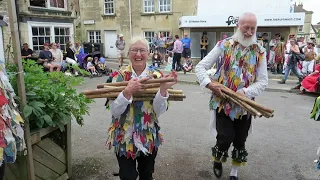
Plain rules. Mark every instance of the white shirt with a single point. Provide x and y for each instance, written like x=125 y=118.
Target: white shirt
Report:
x=119 y=105
x=253 y=90
x=89 y=64
x=57 y=54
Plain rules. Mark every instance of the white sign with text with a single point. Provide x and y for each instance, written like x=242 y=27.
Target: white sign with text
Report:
x=264 y=20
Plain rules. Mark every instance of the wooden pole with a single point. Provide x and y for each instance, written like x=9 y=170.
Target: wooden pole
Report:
x=20 y=81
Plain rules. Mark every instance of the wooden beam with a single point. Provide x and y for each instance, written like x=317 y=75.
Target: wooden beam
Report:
x=68 y=146
x=12 y=10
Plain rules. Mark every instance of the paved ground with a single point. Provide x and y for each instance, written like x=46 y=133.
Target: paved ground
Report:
x=280 y=148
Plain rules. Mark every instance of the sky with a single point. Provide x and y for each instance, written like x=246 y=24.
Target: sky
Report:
x=312 y=5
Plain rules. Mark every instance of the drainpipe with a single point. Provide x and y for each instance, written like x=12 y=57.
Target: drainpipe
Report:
x=130 y=19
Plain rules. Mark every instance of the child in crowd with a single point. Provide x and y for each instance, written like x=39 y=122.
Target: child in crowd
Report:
x=91 y=68
x=170 y=61
x=187 y=67
x=272 y=56
x=156 y=59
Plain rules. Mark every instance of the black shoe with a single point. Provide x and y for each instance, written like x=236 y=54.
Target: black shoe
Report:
x=281 y=82
x=233 y=178
x=217 y=169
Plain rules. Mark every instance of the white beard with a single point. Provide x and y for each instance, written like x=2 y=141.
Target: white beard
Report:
x=239 y=36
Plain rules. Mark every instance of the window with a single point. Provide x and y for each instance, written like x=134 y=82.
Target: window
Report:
x=62 y=36
x=94 y=36
x=109 y=7
x=164 y=5
x=148 y=6
x=40 y=35
x=148 y=35
x=165 y=34
x=300 y=29
x=61 y=4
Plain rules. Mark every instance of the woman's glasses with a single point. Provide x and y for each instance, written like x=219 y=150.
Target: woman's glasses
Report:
x=142 y=51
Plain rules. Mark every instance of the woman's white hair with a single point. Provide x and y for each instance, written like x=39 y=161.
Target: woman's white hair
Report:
x=137 y=39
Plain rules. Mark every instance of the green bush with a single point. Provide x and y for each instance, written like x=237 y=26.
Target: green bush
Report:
x=52 y=99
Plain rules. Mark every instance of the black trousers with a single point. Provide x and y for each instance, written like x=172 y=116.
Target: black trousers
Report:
x=177 y=59
x=2 y=171
x=128 y=167
x=229 y=131
x=204 y=53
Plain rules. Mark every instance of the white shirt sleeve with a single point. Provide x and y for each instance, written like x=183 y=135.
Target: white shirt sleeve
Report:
x=262 y=80
x=119 y=105
x=160 y=103
x=205 y=64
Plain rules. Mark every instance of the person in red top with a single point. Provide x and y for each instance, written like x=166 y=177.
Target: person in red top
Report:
x=310 y=82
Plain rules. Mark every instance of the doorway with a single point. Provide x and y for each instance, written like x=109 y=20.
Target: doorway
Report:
x=110 y=38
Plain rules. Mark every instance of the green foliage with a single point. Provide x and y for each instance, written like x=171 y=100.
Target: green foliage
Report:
x=52 y=99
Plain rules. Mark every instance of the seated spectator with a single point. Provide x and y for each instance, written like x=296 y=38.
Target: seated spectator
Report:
x=310 y=83
x=58 y=56
x=46 y=59
x=70 y=57
x=26 y=52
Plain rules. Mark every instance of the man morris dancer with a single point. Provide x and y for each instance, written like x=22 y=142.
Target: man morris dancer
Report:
x=244 y=70
x=134 y=130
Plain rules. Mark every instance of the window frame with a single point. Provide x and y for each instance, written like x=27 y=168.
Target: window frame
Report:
x=113 y=7
x=52 y=33
x=152 y=7
x=48 y=6
x=302 y=28
x=95 y=39
x=150 y=41
x=170 y=6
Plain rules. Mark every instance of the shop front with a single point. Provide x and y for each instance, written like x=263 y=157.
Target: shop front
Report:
x=220 y=26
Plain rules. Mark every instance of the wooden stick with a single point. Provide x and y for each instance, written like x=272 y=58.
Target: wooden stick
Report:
x=125 y=83
x=244 y=105
x=150 y=99
x=116 y=89
x=248 y=101
x=116 y=94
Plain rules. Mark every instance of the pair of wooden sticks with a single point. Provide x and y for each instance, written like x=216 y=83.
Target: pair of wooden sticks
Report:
x=249 y=105
x=112 y=90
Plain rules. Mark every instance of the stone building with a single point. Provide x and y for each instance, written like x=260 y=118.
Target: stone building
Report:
x=43 y=21
x=103 y=20
x=304 y=30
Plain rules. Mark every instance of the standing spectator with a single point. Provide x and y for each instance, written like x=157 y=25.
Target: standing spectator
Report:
x=161 y=46
x=78 y=49
x=155 y=42
x=204 y=42
x=120 y=44
x=177 y=50
x=310 y=56
x=26 y=52
x=58 y=56
x=46 y=58
x=186 y=42
x=169 y=43
x=293 y=59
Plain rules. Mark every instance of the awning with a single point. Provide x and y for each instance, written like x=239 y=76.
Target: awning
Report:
x=225 y=20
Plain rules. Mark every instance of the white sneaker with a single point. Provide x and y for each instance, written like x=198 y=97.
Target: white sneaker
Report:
x=94 y=73
x=76 y=73
x=68 y=74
